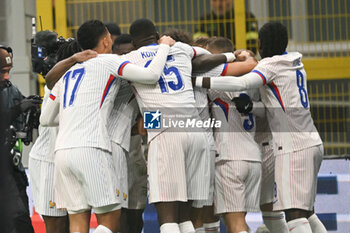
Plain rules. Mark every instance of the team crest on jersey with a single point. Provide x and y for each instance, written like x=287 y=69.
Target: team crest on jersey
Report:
x=125 y=196
x=152 y=120
x=118 y=192
x=52 y=204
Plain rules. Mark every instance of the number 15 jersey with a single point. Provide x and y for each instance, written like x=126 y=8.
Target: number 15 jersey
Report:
x=173 y=93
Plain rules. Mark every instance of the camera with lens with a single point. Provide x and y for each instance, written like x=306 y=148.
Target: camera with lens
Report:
x=44 y=48
x=31 y=122
x=24 y=131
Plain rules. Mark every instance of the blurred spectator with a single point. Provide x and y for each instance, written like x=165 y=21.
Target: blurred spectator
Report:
x=220 y=22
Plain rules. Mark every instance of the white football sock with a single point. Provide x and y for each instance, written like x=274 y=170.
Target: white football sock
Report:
x=275 y=221
x=213 y=227
x=200 y=230
x=169 y=228
x=316 y=225
x=102 y=229
x=186 y=227
x=299 y=225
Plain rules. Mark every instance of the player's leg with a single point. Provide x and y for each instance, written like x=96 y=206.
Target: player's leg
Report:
x=274 y=220
x=109 y=218
x=165 y=159
x=237 y=191
x=69 y=191
x=184 y=220
x=235 y=222
x=197 y=218
x=119 y=156
x=79 y=221
x=211 y=222
x=132 y=221
x=124 y=225
x=298 y=197
x=56 y=224
x=198 y=176
x=316 y=224
x=202 y=213
x=42 y=176
x=168 y=216
x=94 y=186
x=108 y=199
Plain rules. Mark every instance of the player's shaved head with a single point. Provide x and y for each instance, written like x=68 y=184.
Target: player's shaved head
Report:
x=142 y=32
x=273 y=39
x=220 y=45
x=89 y=34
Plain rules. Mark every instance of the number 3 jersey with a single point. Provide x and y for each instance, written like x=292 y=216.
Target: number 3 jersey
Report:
x=285 y=97
x=173 y=93
x=86 y=95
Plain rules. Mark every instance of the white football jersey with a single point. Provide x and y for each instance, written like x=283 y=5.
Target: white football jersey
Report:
x=235 y=138
x=123 y=116
x=263 y=133
x=86 y=94
x=44 y=146
x=201 y=98
x=173 y=91
x=286 y=99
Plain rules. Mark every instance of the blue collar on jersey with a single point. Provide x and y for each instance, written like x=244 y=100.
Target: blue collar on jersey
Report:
x=152 y=44
x=284 y=53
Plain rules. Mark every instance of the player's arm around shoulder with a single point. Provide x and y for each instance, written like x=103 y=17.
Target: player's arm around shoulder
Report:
x=150 y=74
x=244 y=63
x=63 y=66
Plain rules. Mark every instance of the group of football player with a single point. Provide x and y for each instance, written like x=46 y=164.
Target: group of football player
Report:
x=264 y=155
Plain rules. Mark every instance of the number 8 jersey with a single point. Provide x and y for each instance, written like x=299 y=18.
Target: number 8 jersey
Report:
x=286 y=99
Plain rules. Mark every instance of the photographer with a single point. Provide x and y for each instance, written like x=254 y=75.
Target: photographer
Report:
x=16 y=112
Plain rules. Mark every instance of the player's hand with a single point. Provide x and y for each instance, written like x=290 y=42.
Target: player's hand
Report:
x=84 y=55
x=243 y=103
x=166 y=40
x=243 y=54
x=32 y=101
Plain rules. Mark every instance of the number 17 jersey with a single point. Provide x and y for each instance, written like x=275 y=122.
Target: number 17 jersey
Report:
x=86 y=95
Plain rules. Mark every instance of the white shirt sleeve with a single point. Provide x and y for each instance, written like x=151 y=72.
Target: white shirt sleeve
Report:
x=266 y=70
x=149 y=75
x=232 y=83
x=50 y=109
x=199 y=51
